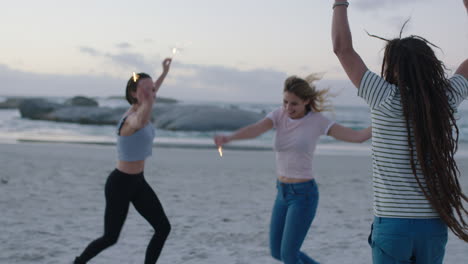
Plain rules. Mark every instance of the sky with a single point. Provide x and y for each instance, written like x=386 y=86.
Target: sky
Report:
x=230 y=51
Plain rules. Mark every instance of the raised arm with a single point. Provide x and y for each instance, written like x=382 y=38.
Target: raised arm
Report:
x=251 y=131
x=463 y=68
x=343 y=45
x=166 y=65
x=350 y=135
x=145 y=97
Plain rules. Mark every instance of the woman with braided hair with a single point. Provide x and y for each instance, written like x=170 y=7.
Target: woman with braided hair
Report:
x=414 y=138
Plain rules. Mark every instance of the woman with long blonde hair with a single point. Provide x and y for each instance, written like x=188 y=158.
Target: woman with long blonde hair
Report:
x=299 y=123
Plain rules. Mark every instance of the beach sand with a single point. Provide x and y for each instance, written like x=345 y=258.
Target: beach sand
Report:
x=52 y=205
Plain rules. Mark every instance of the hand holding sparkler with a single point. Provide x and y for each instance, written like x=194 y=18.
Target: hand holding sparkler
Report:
x=220 y=140
x=166 y=64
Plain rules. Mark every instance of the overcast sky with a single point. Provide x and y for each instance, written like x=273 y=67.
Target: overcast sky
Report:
x=231 y=50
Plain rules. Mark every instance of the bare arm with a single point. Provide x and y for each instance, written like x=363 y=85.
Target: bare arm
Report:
x=251 y=131
x=166 y=65
x=343 y=46
x=142 y=116
x=146 y=98
x=463 y=68
x=350 y=135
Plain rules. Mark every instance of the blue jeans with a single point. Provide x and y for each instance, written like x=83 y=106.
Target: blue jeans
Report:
x=292 y=215
x=401 y=240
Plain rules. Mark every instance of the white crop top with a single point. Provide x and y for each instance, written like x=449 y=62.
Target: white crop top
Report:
x=295 y=142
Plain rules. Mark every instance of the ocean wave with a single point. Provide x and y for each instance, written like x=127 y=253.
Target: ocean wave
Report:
x=13 y=127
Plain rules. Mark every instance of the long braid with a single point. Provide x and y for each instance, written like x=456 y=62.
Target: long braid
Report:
x=411 y=64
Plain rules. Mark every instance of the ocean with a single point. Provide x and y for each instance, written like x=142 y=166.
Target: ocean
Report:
x=13 y=128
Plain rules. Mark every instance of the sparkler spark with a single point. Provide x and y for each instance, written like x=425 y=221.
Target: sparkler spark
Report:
x=220 y=150
x=179 y=47
x=134 y=77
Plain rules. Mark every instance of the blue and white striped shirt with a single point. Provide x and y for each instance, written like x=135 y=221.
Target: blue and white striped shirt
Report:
x=396 y=191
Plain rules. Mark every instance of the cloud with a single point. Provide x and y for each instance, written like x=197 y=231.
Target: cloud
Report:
x=383 y=4
x=17 y=82
x=129 y=59
x=89 y=51
x=204 y=83
x=125 y=60
x=123 y=45
x=227 y=83
x=186 y=82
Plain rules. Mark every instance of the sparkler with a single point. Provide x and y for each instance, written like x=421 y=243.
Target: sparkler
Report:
x=174 y=51
x=134 y=77
x=220 y=150
x=179 y=47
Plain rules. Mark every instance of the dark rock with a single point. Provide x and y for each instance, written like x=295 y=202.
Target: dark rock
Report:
x=11 y=103
x=203 y=118
x=81 y=101
x=165 y=116
x=164 y=100
x=87 y=115
x=37 y=108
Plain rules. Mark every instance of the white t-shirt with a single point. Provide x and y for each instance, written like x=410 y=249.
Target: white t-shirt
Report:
x=295 y=142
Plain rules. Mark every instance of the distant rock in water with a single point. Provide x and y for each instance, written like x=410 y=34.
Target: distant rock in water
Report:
x=45 y=110
x=81 y=101
x=91 y=115
x=11 y=103
x=204 y=118
x=37 y=108
x=164 y=100
x=165 y=116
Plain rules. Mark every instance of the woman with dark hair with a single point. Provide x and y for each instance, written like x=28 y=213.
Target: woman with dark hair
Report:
x=299 y=124
x=126 y=184
x=417 y=194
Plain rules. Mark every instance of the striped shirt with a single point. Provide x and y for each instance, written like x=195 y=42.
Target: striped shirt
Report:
x=396 y=191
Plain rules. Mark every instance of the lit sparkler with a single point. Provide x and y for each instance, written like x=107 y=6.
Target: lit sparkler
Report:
x=179 y=47
x=134 y=77
x=220 y=150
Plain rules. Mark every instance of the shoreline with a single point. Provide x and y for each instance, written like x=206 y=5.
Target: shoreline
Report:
x=328 y=148
x=323 y=148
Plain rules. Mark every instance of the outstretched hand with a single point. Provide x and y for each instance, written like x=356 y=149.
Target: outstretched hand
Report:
x=220 y=140
x=166 y=64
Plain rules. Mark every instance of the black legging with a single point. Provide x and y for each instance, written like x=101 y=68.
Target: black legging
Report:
x=120 y=190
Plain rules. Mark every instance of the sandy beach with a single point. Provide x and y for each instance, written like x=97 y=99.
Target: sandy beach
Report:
x=52 y=204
